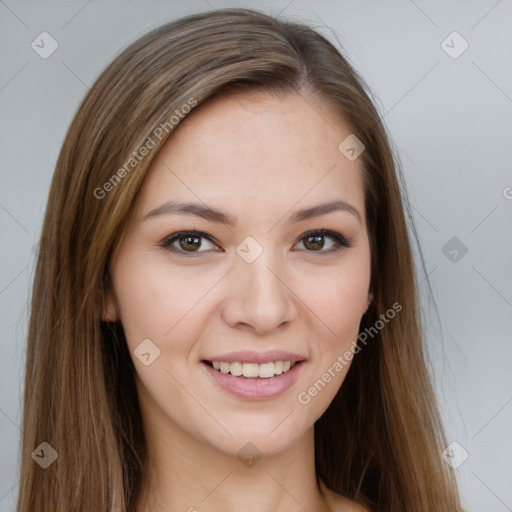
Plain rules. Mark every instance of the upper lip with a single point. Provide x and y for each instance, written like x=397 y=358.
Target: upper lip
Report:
x=257 y=357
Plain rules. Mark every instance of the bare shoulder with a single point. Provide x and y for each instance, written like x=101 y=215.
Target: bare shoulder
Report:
x=339 y=503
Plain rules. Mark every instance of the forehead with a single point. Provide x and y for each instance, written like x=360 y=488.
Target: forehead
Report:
x=273 y=150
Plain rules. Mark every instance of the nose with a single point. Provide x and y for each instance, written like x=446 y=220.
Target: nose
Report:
x=258 y=297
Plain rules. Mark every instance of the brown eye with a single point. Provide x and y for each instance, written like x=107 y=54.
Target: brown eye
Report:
x=187 y=243
x=315 y=241
x=190 y=243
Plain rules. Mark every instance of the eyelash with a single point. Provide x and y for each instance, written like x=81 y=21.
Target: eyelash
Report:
x=340 y=241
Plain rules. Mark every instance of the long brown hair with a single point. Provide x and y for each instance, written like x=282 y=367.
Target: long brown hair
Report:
x=379 y=441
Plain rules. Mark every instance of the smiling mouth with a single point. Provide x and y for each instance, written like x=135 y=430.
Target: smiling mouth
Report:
x=253 y=370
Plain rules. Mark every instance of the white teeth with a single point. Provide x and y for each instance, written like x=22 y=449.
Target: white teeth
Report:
x=236 y=369
x=250 y=369
x=264 y=370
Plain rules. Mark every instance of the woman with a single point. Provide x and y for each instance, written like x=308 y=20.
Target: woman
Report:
x=225 y=312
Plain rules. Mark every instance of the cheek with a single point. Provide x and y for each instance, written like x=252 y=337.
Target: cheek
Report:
x=345 y=310
x=336 y=304
x=156 y=302
x=338 y=300
x=164 y=306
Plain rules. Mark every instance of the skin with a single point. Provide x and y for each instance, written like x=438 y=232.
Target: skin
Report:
x=259 y=158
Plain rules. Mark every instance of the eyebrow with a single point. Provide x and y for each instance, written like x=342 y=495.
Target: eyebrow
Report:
x=214 y=215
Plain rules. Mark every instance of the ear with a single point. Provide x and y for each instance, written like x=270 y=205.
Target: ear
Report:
x=370 y=300
x=110 y=310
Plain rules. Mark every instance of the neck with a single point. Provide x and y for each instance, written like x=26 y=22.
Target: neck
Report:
x=185 y=474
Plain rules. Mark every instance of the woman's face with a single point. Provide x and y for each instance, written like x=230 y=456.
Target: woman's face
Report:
x=239 y=276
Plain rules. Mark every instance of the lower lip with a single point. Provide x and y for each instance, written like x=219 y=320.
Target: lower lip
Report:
x=255 y=388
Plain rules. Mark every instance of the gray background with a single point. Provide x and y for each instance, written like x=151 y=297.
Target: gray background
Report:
x=450 y=118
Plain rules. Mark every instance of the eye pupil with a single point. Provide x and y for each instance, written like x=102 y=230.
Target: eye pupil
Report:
x=317 y=244
x=194 y=241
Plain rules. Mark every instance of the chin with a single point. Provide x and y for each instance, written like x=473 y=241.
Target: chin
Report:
x=265 y=436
